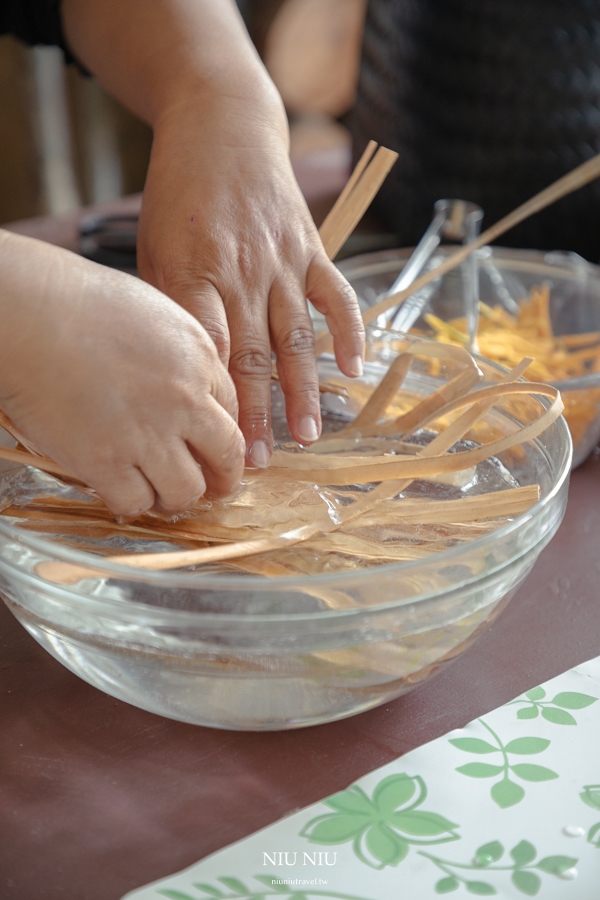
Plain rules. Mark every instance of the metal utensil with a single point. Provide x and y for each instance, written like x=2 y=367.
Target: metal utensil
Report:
x=454 y=220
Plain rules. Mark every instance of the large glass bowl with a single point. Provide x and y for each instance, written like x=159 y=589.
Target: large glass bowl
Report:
x=248 y=652
x=506 y=276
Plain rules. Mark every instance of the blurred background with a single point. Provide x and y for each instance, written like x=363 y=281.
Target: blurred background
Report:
x=65 y=143
x=485 y=100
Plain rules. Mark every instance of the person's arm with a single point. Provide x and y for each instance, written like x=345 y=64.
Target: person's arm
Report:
x=114 y=381
x=224 y=230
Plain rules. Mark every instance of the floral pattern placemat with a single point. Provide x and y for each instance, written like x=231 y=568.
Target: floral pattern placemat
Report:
x=508 y=806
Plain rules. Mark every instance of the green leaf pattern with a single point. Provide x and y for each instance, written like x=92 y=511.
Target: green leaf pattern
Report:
x=552 y=710
x=523 y=856
x=382 y=827
x=591 y=797
x=593 y=835
x=505 y=792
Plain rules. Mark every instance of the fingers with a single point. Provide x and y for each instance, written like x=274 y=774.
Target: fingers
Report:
x=125 y=490
x=223 y=390
x=217 y=443
x=176 y=477
x=250 y=368
x=203 y=301
x=198 y=450
x=331 y=295
x=196 y=294
x=294 y=344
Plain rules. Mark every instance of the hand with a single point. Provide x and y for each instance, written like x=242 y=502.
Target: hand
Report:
x=225 y=232
x=114 y=381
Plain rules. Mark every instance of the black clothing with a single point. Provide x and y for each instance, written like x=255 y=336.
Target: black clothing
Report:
x=488 y=101
x=35 y=22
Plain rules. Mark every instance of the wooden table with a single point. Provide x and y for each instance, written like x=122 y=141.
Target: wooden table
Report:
x=97 y=797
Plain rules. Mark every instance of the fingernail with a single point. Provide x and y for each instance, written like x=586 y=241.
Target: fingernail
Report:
x=260 y=454
x=355 y=366
x=307 y=429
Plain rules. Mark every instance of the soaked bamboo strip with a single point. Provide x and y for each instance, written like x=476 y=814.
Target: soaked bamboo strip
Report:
x=27 y=458
x=457 y=430
x=363 y=548
x=294 y=518
x=498 y=505
x=490 y=506
x=100 y=527
x=8 y=426
x=68 y=573
x=382 y=396
x=413 y=420
x=446 y=440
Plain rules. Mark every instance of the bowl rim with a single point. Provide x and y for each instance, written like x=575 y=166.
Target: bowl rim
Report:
x=520 y=257
x=197 y=579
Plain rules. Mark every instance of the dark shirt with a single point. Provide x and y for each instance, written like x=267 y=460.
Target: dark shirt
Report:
x=486 y=100
x=34 y=21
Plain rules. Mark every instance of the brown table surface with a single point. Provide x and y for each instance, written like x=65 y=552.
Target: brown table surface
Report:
x=97 y=797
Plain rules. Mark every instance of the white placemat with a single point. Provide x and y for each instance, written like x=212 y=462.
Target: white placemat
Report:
x=507 y=806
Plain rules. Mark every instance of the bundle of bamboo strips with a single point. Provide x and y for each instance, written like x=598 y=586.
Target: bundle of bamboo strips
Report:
x=337 y=509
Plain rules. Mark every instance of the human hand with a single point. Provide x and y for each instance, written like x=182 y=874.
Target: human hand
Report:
x=114 y=381
x=225 y=232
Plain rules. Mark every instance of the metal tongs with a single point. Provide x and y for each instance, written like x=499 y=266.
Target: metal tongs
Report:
x=454 y=220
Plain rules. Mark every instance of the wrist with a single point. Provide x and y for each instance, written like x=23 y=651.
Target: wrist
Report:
x=236 y=115
x=246 y=102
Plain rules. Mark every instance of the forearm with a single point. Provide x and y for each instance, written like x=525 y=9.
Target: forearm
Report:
x=26 y=265
x=155 y=54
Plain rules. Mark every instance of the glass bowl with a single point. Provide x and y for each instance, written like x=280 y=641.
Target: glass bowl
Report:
x=249 y=652
x=506 y=276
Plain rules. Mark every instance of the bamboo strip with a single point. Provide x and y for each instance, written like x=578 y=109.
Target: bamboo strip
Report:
x=69 y=573
x=363 y=548
x=382 y=396
x=359 y=199
x=573 y=341
x=424 y=411
x=476 y=508
x=446 y=440
x=8 y=426
x=458 y=429
x=40 y=462
x=495 y=392
x=83 y=527
x=330 y=224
